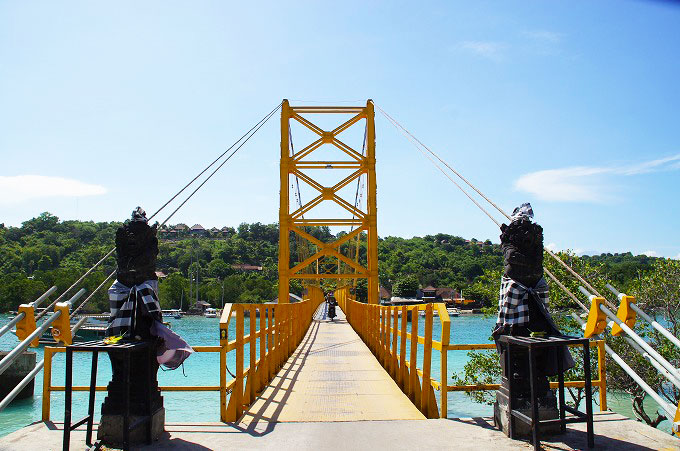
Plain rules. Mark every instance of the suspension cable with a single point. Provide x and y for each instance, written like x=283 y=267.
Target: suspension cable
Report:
x=82 y=304
x=247 y=136
x=415 y=142
x=357 y=202
x=419 y=145
x=397 y=124
x=261 y=123
x=62 y=295
x=214 y=161
x=302 y=247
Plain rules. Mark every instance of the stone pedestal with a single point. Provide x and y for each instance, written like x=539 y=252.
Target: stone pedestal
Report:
x=143 y=389
x=547 y=410
x=15 y=374
x=110 y=431
x=547 y=402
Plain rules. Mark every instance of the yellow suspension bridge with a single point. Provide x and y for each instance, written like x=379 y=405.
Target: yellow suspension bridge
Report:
x=364 y=380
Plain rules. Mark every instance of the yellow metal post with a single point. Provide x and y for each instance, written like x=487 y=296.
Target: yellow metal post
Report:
x=446 y=333
x=284 y=207
x=270 y=343
x=597 y=320
x=252 y=374
x=625 y=313
x=413 y=373
x=427 y=362
x=372 y=217
x=237 y=391
x=602 y=371
x=402 y=351
x=47 y=384
x=395 y=328
x=385 y=337
x=27 y=325
x=61 y=328
x=262 y=367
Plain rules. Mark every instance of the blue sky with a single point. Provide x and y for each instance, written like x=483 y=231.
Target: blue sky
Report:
x=573 y=106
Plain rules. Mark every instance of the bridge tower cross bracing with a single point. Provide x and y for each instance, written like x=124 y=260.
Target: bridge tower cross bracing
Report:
x=361 y=220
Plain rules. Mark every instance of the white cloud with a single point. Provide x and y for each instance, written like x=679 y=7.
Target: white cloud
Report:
x=677 y=257
x=21 y=188
x=487 y=49
x=650 y=253
x=660 y=164
x=579 y=184
x=552 y=247
x=563 y=185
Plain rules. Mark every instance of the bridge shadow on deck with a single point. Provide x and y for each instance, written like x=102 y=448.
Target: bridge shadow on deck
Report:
x=332 y=376
x=278 y=385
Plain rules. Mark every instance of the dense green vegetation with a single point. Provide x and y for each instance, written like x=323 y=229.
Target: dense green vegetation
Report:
x=45 y=251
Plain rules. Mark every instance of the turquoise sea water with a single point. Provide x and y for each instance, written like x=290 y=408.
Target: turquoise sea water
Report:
x=203 y=369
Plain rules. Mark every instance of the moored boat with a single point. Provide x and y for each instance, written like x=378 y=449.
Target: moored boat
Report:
x=210 y=313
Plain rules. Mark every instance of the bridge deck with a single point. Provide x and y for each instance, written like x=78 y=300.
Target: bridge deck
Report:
x=332 y=376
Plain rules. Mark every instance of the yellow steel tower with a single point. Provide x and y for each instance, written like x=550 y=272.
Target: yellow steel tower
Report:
x=362 y=220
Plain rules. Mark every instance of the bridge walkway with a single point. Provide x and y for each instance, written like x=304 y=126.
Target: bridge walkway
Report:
x=332 y=376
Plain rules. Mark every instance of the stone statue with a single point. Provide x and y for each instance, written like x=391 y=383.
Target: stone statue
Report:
x=135 y=311
x=522 y=311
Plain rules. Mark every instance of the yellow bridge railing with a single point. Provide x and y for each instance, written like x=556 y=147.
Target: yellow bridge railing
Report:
x=281 y=328
x=277 y=334
x=384 y=330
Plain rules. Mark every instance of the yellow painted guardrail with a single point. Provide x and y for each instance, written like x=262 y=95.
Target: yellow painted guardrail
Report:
x=280 y=330
x=384 y=330
x=286 y=325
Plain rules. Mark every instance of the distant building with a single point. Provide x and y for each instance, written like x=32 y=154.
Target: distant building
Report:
x=446 y=294
x=441 y=294
x=429 y=294
x=198 y=230
x=244 y=267
x=199 y=307
x=384 y=293
x=168 y=234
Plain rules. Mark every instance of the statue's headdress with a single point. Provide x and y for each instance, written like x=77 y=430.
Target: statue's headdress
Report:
x=138 y=214
x=524 y=211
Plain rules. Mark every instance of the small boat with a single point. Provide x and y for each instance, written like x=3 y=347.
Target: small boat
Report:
x=453 y=311
x=177 y=314
x=210 y=313
x=93 y=329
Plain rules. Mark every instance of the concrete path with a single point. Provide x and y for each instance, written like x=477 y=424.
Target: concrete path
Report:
x=612 y=432
x=332 y=376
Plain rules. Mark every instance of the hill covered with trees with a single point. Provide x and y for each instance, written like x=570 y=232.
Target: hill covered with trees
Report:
x=240 y=264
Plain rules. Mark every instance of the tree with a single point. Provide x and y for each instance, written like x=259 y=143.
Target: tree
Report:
x=172 y=290
x=406 y=287
x=657 y=293
x=217 y=268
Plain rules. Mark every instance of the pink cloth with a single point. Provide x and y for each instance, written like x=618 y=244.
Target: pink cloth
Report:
x=173 y=351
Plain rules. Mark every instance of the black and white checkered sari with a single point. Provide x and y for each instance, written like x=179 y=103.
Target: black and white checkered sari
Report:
x=513 y=301
x=122 y=300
